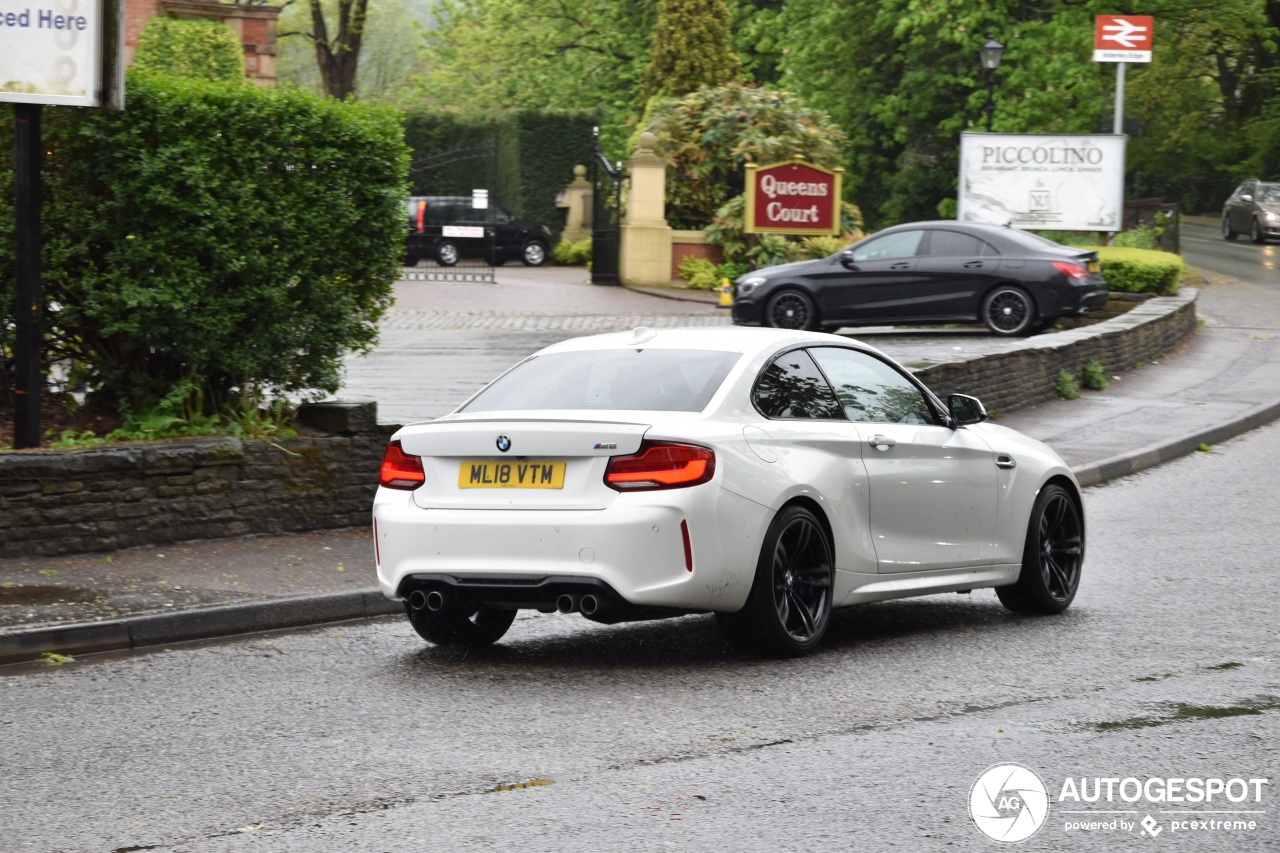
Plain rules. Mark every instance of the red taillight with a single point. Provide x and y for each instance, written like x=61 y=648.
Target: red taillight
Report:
x=660 y=466
x=1070 y=270
x=400 y=470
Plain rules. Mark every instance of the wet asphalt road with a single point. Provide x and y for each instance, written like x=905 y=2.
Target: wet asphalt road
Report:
x=577 y=737
x=654 y=737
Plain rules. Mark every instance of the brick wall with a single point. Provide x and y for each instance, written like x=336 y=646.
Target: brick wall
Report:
x=98 y=499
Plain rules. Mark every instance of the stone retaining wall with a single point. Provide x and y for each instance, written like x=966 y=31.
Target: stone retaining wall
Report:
x=1027 y=372
x=102 y=499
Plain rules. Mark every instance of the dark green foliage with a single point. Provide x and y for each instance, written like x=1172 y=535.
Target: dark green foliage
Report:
x=232 y=240
x=200 y=50
x=524 y=158
x=690 y=49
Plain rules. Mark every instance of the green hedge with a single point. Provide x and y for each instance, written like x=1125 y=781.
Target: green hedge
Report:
x=524 y=158
x=227 y=241
x=1140 y=270
x=201 y=50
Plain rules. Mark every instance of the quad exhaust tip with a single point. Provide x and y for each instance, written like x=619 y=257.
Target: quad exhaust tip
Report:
x=433 y=600
x=567 y=603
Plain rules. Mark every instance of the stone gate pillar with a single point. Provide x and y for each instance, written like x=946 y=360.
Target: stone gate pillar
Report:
x=645 y=253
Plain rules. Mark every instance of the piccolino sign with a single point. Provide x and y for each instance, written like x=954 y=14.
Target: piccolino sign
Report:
x=1064 y=182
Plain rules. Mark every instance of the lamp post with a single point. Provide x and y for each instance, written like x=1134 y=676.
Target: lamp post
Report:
x=990 y=54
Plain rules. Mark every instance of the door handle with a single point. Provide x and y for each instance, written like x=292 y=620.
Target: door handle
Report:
x=902 y=265
x=973 y=265
x=881 y=442
x=1004 y=460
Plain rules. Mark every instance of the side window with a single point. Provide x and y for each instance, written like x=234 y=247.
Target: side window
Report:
x=952 y=244
x=870 y=390
x=793 y=387
x=902 y=244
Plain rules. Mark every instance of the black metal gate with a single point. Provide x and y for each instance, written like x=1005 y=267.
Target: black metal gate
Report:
x=606 y=217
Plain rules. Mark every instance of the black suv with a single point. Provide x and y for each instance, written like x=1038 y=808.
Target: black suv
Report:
x=444 y=228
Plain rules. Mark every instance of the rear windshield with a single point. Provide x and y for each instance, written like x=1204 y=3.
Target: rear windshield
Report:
x=660 y=380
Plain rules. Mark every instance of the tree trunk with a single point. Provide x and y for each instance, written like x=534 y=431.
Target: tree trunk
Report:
x=339 y=56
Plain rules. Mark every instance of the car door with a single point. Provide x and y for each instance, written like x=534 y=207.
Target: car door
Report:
x=872 y=280
x=955 y=268
x=932 y=489
x=1240 y=207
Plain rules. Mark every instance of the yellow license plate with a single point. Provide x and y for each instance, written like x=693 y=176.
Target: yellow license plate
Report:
x=484 y=474
x=1093 y=266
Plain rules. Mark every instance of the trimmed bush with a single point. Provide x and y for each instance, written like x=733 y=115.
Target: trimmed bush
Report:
x=699 y=273
x=572 y=254
x=199 y=50
x=231 y=241
x=1140 y=270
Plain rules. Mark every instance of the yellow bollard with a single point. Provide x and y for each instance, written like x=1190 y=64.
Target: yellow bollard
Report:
x=726 y=293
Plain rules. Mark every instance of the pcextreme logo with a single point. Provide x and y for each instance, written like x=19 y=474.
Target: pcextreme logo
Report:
x=1010 y=803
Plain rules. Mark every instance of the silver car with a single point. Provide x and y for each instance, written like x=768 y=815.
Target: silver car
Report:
x=1253 y=209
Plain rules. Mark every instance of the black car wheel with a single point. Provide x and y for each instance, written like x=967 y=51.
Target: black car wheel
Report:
x=1052 y=558
x=1008 y=311
x=791 y=309
x=789 y=607
x=460 y=626
x=534 y=254
x=1256 y=233
x=446 y=253
x=1228 y=233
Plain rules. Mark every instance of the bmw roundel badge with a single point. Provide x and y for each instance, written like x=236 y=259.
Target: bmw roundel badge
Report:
x=504 y=443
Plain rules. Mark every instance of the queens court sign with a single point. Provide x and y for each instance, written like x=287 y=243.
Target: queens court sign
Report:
x=1069 y=182
x=795 y=197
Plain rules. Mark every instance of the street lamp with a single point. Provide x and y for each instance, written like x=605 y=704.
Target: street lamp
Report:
x=990 y=54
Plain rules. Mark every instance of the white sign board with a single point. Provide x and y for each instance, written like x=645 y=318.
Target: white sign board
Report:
x=50 y=51
x=1059 y=183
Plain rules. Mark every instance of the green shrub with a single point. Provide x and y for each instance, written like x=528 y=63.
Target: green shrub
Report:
x=572 y=254
x=727 y=232
x=226 y=242
x=199 y=50
x=699 y=273
x=1141 y=237
x=1095 y=376
x=731 y=270
x=1067 y=387
x=1130 y=270
x=814 y=248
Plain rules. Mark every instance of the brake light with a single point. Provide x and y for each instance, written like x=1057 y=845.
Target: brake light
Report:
x=422 y=212
x=660 y=465
x=400 y=470
x=1070 y=270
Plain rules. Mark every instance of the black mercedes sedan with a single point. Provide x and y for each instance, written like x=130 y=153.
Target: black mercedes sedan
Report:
x=921 y=273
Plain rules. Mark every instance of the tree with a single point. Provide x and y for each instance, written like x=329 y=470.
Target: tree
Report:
x=337 y=55
x=486 y=56
x=388 y=50
x=690 y=49
x=708 y=137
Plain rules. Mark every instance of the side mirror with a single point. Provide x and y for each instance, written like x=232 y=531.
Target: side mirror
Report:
x=1246 y=197
x=846 y=260
x=965 y=410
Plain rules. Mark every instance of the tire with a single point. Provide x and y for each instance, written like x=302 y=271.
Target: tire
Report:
x=791 y=309
x=1255 y=232
x=789 y=608
x=1051 y=559
x=1228 y=233
x=534 y=254
x=1009 y=311
x=446 y=253
x=468 y=625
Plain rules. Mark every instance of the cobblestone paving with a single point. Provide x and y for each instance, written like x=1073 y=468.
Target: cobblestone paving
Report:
x=527 y=321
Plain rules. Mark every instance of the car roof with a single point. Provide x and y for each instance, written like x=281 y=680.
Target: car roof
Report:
x=744 y=339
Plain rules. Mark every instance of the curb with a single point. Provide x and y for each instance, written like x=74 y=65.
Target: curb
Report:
x=1093 y=473
x=196 y=624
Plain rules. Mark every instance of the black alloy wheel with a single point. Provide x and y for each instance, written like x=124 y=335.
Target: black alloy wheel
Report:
x=1228 y=233
x=791 y=309
x=447 y=253
x=466 y=625
x=1052 y=558
x=789 y=608
x=1008 y=311
x=1256 y=233
x=534 y=254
